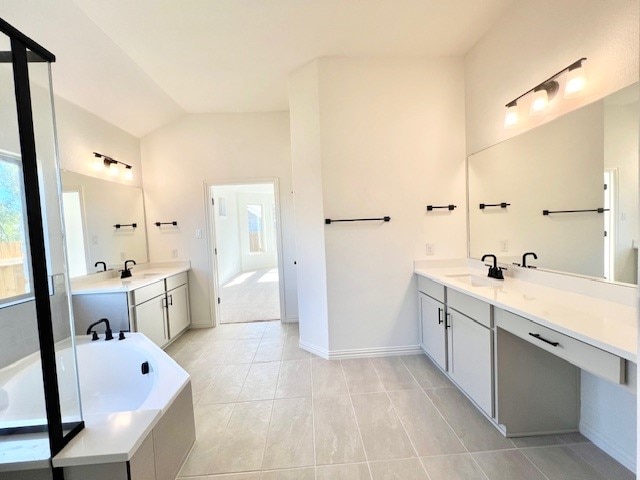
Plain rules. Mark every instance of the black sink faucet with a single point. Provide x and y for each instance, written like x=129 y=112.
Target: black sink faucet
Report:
x=104 y=266
x=107 y=331
x=494 y=270
x=524 y=259
x=126 y=273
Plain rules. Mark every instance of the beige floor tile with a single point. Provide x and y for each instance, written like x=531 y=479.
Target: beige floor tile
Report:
x=269 y=350
x=227 y=384
x=361 y=376
x=453 y=467
x=354 y=471
x=327 y=377
x=602 y=462
x=507 y=465
x=294 y=474
x=242 y=352
x=292 y=350
x=201 y=378
x=428 y=431
x=290 y=440
x=571 y=438
x=228 y=331
x=475 y=431
x=261 y=382
x=214 y=353
x=393 y=374
x=241 y=446
x=536 y=441
x=294 y=379
x=425 y=372
x=232 y=476
x=383 y=435
x=275 y=329
x=336 y=431
x=211 y=422
x=254 y=330
x=406 y=469
x=562 y=463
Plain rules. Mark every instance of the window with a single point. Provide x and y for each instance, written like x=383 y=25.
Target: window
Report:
x=256 y=227
x=15 y=277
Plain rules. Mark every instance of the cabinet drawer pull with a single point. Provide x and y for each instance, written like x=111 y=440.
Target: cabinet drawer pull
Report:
x=439 y=316
x=537 y=335
x=170 y=299
x=447 y=316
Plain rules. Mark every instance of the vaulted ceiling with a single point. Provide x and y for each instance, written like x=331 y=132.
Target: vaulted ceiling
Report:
x=141 y=63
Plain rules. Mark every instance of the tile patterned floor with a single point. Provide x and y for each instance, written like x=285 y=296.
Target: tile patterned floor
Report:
x=251 y=296
x=267 y=410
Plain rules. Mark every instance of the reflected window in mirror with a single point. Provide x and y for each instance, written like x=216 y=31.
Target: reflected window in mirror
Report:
x=15 y=273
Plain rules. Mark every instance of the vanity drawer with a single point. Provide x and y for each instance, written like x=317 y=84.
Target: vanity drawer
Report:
x=576 y=352
x=141 y=295
x=175 y=281
x=431 y=288
x=472 y=307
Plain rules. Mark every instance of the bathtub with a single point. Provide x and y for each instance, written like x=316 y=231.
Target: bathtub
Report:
x=110 y=379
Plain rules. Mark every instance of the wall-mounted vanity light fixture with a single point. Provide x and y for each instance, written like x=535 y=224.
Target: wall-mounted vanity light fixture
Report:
x=544 y=92
x=112 y=166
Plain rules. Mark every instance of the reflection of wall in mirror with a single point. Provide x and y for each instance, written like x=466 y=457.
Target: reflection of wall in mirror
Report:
x=621 y=126
x=557 y=166
x=106 y=204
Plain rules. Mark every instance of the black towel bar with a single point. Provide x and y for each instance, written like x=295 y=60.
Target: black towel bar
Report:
x=501 y=205
x=174 y=223
x=596 y=210
x=120 y=225
x=329 y=221
x=433 y=207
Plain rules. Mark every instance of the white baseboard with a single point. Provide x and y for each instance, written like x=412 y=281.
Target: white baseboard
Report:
x=361 y=352
x=628 y=459
x=290 y=320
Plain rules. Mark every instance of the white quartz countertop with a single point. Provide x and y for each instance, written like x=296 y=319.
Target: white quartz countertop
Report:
x=108 y=438
x=604 y=324
x=142 y=275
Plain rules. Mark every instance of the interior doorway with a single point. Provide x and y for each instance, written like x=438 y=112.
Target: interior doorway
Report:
x=245 y=245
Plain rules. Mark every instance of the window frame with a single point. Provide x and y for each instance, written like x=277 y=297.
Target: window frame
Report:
x=13 y=158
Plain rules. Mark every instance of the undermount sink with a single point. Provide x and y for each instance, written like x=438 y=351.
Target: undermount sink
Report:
x=476 y=280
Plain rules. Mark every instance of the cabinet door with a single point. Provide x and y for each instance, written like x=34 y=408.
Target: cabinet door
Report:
x=151 y=320
x=178 y=301
x=433 y=331
x=470 y=359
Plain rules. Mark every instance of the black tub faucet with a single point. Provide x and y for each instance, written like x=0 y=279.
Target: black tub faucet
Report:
x=107 y=331
x=524 y=259
x=494 y=270
x=126 y=273
x=104 y=265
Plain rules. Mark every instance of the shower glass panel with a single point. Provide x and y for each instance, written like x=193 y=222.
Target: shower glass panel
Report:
x=50 y=197
x=20 y=405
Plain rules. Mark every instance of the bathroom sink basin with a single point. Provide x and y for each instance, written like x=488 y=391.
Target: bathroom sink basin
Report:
x=476 y=280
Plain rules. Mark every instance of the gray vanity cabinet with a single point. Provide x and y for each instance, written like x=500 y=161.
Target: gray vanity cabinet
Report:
x=433 y=335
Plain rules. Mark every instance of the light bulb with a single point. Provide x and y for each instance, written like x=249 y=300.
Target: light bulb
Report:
x=128 y=173
x=113 y=170
x=575 y=82
x=98 y=163
x=539 y=101
x=511 y=117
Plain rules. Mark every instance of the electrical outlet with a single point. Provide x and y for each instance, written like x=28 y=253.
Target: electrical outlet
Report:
x=504 y=245
x=198 y=233
x=123 y=255
x=431 y=248
x=174 y=253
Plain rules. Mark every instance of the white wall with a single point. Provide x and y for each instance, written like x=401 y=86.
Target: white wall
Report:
x=227 y=233
x=180 y=157
x=534 y=39
x=306 y=160
x=391 y=141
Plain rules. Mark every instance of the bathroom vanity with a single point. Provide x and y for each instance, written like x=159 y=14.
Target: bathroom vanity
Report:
x=516 y=347
x=154 y=301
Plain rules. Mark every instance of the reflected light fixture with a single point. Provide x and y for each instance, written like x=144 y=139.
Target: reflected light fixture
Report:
x=112 y=166
x=544 y=92
x=511 y=117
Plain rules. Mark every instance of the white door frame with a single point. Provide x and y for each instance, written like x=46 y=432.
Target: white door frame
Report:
x=214 y=287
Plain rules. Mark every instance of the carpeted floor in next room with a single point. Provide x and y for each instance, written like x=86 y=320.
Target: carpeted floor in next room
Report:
x=251 y=296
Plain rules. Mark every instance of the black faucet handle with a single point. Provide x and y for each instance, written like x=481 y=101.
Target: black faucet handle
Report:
x=121 y=335
x=108 y=334
x=94 y=337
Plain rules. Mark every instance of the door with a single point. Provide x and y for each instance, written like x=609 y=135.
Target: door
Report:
x=151 y=320
x=433 y=331
x=470 y=359
x=246 y=260
x=178 y=310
